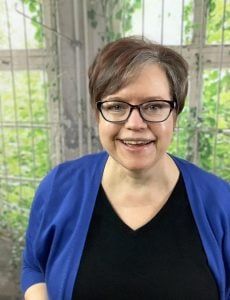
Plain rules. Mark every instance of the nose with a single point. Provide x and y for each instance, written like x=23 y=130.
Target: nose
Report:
x=135 y=121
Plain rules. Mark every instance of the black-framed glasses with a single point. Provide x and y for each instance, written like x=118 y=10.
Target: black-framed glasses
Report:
x=154 y=111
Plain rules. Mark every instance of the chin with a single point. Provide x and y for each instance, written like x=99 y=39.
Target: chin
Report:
x=137 y=166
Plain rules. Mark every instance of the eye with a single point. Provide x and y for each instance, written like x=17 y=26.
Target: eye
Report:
x=114 y=107
x=153 y=107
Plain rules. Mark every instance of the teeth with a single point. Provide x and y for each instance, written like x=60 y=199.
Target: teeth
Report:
x=136 y=142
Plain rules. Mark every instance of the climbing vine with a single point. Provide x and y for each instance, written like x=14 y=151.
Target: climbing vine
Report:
x=117 y=17
x=36 y=15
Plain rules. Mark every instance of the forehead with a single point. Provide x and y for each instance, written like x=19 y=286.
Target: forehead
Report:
x=150 y=81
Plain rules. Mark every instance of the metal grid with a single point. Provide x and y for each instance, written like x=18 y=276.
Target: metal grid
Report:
x=28 y=119
x=45 y=114
x=205 y=55
x=65 y=122
x=199 y=30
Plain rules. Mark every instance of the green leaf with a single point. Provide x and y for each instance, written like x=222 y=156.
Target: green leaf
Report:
x=119 y=15
x=32 y=7
x=91 y=14
x=94 y=24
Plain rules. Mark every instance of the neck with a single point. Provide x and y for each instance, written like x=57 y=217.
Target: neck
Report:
x=163 y=173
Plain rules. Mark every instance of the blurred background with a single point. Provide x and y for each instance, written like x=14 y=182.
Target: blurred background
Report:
x=45 y=117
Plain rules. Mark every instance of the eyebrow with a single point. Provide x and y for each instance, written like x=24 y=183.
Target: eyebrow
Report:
x=146 y=99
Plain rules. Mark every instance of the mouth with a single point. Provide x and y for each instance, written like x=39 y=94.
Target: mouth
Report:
x=136 y=142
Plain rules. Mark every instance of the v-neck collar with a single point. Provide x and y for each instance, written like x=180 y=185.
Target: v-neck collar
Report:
x=107 y=209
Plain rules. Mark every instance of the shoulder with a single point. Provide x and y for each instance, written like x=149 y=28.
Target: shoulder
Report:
x=197 y=175
x=70 y=176
x=82 y=166
x=86 y=162
x=204 y=188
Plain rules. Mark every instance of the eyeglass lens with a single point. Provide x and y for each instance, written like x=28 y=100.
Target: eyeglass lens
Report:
x=118 y=111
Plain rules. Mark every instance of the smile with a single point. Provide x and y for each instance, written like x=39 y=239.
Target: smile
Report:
x=136 y=142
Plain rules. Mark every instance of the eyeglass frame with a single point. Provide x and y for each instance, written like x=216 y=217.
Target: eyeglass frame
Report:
x=172 y=103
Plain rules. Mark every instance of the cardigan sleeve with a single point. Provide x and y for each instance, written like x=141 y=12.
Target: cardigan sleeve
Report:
x=35 y=253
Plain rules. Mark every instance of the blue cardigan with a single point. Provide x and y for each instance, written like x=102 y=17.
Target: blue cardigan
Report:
x=63 y=206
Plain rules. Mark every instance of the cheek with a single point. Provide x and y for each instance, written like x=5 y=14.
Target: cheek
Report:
x=102 y=127
x=106 y=130
x=164 y=129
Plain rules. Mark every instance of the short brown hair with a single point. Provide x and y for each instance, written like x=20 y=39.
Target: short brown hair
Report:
x=117 y=64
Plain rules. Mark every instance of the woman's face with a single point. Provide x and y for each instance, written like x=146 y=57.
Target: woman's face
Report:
x=138 y=145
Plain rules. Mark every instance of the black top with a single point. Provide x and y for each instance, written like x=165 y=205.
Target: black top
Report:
x=164 y=259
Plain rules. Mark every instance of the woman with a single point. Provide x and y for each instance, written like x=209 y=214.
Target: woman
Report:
x=132 y=222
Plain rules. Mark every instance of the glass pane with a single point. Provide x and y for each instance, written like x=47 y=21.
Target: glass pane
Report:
x=222 y=161
x=29 y=102
x=218 y=22
x=16 y=31
x=180 y=145
x=12 y=154
x=41 y=152
x=216 y=99
x=26 y=152
x=172 y=27
x=214 y=138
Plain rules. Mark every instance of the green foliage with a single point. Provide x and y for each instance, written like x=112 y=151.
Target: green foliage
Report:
x=12 y=224
x=210 y=126
x=216 y=120
x=126 y=13
x=92 y=17
x=24 y=150
x=188 y=23
x=3 y=38
x=117 y=16
x=35 y=9
x=218 y=22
